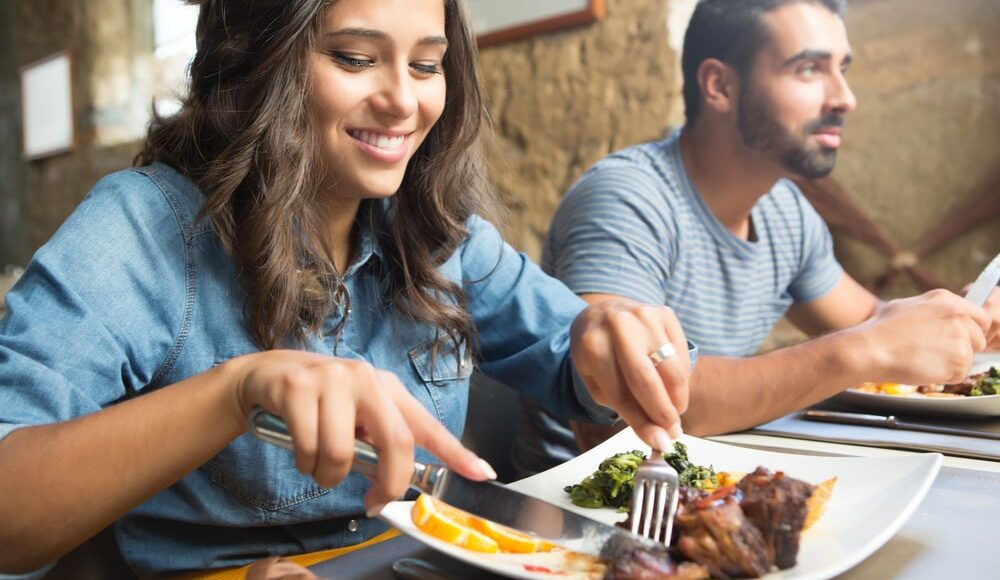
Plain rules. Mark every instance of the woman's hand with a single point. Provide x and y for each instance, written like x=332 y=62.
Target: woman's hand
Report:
x=612 y=341
x=327 y=402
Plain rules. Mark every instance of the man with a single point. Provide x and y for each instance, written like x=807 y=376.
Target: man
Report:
x=707 y=223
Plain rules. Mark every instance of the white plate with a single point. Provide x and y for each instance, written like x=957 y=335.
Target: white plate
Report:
x=872 y=499
x=985 y=406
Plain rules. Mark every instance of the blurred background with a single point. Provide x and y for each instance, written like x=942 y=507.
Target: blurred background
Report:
x=917 y=186
x=923 y=144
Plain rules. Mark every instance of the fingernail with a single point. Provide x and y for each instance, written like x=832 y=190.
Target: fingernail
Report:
x=486 y=469
x=661 y=441
x=375 y=510
x=675 y=431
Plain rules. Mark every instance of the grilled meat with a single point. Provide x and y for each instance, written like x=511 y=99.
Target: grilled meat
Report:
x=777 y=506
x=634 y=562
x=713 y=531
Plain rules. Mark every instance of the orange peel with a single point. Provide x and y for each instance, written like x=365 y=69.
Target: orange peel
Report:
x=460 y=528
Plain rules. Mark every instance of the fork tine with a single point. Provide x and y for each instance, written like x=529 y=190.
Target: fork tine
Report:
x=654 y=499
x=661 y=502
x=668 y=528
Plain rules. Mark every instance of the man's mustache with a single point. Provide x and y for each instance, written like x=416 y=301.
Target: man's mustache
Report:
x=824 y=122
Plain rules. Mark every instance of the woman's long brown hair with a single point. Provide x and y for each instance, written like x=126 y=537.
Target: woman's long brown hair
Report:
x=245 y=137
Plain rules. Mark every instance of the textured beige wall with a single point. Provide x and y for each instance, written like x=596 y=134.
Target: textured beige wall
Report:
x=102 y=38
x=926 y=133
x=564 y=100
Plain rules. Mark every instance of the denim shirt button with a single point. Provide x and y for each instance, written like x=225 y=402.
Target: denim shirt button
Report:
x=352 y=526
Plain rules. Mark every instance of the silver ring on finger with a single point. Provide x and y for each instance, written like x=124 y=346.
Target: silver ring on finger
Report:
x=663 y=353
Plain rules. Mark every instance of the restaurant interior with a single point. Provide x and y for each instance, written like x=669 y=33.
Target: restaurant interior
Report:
x=913 y=204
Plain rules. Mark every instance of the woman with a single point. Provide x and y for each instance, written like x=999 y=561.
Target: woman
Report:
x=303 y=236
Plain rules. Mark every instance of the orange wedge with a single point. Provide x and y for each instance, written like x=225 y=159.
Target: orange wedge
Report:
x=450 y=525
x=510 y=540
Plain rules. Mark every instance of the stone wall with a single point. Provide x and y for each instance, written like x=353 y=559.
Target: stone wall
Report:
x=564 y=100
x=13 y=242
x=926 y=134
x=925 y=137
x=100 y=35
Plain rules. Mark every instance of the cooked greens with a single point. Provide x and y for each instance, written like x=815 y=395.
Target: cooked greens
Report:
x=611 y=485
x=689 y=474
x=988 y=384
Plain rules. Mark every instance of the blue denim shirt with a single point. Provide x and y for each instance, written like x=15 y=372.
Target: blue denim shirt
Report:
x=133 y=293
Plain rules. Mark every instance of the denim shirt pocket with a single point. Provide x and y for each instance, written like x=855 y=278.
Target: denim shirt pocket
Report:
x=445 y=377
x=261 y=475
x=443 y=368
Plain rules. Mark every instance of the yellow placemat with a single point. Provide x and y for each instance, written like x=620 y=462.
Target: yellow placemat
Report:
x=302 y=559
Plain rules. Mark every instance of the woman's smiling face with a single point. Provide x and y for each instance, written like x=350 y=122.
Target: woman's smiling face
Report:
x=378 y=87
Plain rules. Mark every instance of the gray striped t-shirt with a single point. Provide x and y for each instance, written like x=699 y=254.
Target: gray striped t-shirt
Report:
x=633 y=225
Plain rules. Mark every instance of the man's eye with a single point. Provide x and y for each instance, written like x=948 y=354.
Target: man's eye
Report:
x=433 y=68
x=351 y=61
x=809 y=69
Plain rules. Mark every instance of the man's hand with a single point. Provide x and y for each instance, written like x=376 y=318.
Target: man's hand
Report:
x=611 y=346
x=929 y=338
x=992 y=307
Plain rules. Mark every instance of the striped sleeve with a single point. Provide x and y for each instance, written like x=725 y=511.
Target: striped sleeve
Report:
x=819 y=270
x=613 y=234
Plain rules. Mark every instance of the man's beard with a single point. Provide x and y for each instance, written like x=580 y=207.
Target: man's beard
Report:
x=760 y=130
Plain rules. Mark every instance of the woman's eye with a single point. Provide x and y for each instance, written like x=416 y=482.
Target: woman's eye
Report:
x=431 y=68
x=351 y=61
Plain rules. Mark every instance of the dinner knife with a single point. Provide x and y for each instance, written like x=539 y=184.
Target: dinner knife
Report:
x=985 y=283
x=487 y=499
x=891 y=422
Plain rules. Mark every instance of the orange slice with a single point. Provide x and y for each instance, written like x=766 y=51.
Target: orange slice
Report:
x=450 y=525
x=510 y=540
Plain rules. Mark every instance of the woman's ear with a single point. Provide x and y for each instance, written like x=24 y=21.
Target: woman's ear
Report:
x=719 y=85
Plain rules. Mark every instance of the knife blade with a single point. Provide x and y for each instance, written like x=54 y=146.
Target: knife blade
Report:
x=486 y=499
x=891 y=422
x=985 y=283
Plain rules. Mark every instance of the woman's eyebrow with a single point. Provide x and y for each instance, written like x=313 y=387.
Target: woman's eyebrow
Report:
x=379 y=35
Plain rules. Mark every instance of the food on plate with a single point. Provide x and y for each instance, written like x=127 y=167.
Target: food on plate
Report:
x=460 y=528
x=817 y=501
x=975 y=385
x=611 y=484
x=634 y=562
x=690 y=474
x=727 y=524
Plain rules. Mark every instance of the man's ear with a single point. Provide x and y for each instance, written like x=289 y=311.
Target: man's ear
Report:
x=719 y=86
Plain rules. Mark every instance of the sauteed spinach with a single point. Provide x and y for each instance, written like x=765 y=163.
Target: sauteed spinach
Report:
x=611 y=485
x=988 y=384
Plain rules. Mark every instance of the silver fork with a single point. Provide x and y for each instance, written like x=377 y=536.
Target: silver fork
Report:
x=654 y=499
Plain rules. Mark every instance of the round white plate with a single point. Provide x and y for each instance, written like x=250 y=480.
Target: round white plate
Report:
x=985 y=406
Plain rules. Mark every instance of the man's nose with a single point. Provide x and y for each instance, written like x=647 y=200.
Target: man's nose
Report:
x=840 y=97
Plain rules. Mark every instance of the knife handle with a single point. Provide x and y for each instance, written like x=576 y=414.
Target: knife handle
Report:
x=272 y=429
x=850 y=418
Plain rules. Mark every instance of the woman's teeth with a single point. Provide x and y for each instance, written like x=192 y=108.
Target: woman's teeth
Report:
x=378 y=140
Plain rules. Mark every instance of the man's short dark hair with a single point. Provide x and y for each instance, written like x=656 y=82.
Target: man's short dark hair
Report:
x=732 y=32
